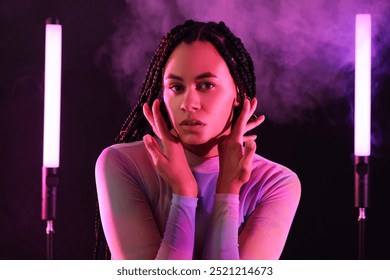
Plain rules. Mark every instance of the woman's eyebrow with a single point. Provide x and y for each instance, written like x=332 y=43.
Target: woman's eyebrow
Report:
x=199 y=77
x=173 y=77
x=206 y=75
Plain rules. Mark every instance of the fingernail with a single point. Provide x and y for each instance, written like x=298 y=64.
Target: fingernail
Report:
x=147 y=139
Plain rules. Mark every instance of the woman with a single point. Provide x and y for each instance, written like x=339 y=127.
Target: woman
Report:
x=196 y=189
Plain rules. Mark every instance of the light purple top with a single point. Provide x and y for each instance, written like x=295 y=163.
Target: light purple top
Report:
x=142 y=219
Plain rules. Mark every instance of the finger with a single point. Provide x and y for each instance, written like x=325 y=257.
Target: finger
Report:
x=239 y=126
x=253 y=106
x=149 y=117
x=249 y=151
x=246 y=138
x=243 y=125
x=161 y=125
x=153 y=149
x=251 y=125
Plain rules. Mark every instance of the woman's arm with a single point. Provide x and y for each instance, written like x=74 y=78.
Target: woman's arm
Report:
x=179 y=236
x=128 y=221
x=126 y=215
x=235 y=167
x=222 y=238
x=170 y=161
x=264 y=234
x=123 y=207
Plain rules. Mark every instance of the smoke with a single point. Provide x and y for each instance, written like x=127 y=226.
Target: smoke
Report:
x=303 y=50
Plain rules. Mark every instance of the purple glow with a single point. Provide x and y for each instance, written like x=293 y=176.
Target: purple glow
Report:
x=52 y=111
x=363 y=85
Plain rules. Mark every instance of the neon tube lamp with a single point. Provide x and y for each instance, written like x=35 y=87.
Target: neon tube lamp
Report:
x=362 y=121
x=52 y=106
x=363 y=85
x=51 y=128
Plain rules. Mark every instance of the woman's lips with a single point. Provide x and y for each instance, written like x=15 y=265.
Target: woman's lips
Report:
x=192 y=122
x=192 y=125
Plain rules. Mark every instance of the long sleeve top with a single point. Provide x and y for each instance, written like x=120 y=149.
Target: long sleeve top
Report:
x=143 y=219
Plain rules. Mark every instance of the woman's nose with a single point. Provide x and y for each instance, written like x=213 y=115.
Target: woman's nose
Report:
x=190 y=101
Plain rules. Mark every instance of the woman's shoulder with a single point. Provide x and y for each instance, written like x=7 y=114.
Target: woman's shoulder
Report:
x=270 y=181
x=124 y=152
x=271 y=171
x=126 y=147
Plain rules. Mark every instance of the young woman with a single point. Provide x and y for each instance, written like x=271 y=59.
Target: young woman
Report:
x=193 y=187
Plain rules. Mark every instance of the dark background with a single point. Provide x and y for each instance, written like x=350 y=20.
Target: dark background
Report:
x=318 y=145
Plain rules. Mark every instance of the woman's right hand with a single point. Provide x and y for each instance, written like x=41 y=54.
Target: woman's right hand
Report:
x=170 y=162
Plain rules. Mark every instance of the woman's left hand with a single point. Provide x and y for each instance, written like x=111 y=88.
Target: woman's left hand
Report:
x=170 y=161
x=236 y=161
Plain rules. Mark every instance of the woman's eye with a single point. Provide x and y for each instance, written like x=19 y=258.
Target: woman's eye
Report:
x=205 y=86
x=176 y=88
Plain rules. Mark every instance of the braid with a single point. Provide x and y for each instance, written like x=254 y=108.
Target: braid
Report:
x=230 y=48
x=242 y=61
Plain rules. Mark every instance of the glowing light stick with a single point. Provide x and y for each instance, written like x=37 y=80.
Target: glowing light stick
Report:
x=362 y=119
x=51 y=129
x=363 y=85
x=52 y=111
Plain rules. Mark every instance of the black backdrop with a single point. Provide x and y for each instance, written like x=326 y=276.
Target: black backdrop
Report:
x=320 y=151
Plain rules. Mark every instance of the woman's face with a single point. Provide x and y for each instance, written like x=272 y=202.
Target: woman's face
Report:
x=199 y=94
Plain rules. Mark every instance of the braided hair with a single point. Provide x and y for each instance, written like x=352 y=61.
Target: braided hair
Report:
x=231 y=49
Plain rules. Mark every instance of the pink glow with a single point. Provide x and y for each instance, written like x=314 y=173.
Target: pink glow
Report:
x=363 y=85
x=52 y=111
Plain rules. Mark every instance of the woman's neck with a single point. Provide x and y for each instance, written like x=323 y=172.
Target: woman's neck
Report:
x=202 y=162
x=200 y=153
